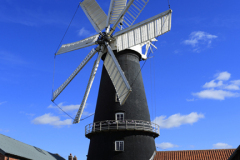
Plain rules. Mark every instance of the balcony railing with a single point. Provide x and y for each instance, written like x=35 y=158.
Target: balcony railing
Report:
x=109 y=125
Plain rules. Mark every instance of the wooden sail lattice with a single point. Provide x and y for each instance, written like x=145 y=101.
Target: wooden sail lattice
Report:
x=144 y=31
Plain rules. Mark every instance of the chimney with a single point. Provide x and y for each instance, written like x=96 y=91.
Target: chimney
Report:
x=70 y=157
x=74 y=158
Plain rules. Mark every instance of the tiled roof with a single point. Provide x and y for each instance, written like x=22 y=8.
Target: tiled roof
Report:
x=17 y=148
x=212 y=154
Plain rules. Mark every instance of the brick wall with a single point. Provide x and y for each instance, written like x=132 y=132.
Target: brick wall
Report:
x=12 y=158
x=9 y=158
x=1 y=157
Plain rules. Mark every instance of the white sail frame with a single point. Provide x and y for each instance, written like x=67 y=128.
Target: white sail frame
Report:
x=120 y=16
x=95 y=14
x=78 y=45
x=85 y=97
x=76 y=71
x=120 y=83
x=144 y=31
x=115 y=9
x=133 y=12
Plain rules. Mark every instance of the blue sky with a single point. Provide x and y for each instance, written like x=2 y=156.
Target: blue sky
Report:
x=192 y=80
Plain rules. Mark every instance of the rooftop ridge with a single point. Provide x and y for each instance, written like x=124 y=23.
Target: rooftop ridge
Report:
x=210 y=154
x=22 y=142
x=198 y=150
x=15 y=147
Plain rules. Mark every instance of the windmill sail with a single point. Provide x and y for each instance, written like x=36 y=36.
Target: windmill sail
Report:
x=117 y=76
x=115 y=10
x=95 y=14
x=133 y=12
x=78 y=45
x=130 y=13
x=70 y=78
x=144 y=31
x=92 y=76
x=119 y=18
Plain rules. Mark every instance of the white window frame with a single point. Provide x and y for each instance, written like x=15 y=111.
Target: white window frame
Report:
x=119 y=113
x=117 y=145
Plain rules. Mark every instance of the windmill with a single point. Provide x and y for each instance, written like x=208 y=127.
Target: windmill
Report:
x=122 y=128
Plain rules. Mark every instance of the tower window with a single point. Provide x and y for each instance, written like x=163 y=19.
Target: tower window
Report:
x=119 y=145
x=119 y=116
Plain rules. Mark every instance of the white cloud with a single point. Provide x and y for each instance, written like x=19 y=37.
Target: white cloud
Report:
x=221 y=146
x=212 y=84
x=219 y=87
x=29 y=16
x=3 y=102
x=236 y=82
x=85 y=113
x=84 y=32
x=177 y=51
x=177 y=120
x=4 y=130
x=10 y=59
x=71 y=108
x=51 y=120
x=199 y=37
x=223 y=76
x=66 y=108
x=191 y=146
x=234 y=85
x=166 y=145
x=190 y=100
x=27 y=114
x=215 y=94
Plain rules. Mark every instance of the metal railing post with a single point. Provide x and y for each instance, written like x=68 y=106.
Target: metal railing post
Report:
x=117 y=125
x=126 y=123
x=134 y=125
x=100 y=126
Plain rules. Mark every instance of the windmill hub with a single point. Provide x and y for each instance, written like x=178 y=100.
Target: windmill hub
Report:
x=103 y=38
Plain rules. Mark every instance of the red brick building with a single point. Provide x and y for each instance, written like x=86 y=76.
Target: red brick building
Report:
x=212 y=154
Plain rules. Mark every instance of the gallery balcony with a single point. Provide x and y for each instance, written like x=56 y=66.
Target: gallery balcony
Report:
x=125 y=125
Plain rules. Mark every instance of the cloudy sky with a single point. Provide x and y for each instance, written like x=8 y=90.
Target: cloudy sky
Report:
x=192 y=81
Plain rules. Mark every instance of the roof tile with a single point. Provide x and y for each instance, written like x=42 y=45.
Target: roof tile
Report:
x=212 y=154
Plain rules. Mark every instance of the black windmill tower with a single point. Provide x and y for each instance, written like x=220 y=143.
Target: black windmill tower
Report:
x=122 y=129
